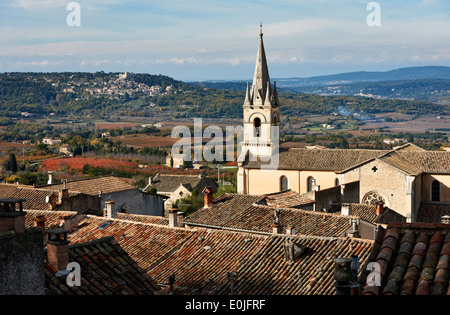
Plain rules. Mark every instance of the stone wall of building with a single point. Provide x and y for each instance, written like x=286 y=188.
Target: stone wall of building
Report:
x=384 y=181
x=22 y=263
x=427 y=181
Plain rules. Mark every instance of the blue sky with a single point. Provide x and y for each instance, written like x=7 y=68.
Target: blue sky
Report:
x=218 y=39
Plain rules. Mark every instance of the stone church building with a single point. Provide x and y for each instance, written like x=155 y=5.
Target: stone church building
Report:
x=406 y=179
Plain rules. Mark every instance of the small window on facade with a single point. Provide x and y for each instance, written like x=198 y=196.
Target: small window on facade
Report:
x=436 y=191
x=311 y=183
x=284 y=184
x=257 y=125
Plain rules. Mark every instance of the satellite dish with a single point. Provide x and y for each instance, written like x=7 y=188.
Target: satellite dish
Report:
x=47 y=199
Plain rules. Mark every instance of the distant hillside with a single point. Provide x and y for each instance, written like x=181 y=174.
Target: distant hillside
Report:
x=430 y=90
x=99 y=95
x=412 y=73
x=430 y=84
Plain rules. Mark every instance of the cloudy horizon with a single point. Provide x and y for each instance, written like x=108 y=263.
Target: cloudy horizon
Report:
x=217 y=40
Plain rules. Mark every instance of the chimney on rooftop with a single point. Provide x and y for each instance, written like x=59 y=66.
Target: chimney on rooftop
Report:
x=290 y=230
x=180 y=217
x=208 y=193
x=109 y=211
x=445 y=219
x=58 y=249
x=40 y=221
x=275 y=228
x=346 y=209
x=10 y=219
x=380 y=207
x=354 y=231
x=51 y=201
x=50 y=178
x=343 y=276
x=173 y=217
x=63 y=195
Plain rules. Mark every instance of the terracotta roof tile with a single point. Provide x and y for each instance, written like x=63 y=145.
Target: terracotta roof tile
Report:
x=92 y=186
x=288 y=199
x=414 y=263
x=101 y=277
x=248 y=213
x=165 y=183
x=112 y=259
x=143 y=218
x=433 y=212
x=323 y=160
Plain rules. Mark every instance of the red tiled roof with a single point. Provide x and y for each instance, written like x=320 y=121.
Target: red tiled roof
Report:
x=223 y=208
x=288 y=199
x=106 y=269
x=92 y=186
x=143 y=218
x=248 y=213
x=433 y=212
x=52 y=218
x=202 y=264
x=320 y=160
x=35 y=198
x=259 y=219
x=413 y=260
x=200 y=259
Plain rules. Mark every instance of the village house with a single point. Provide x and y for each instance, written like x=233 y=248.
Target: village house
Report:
x=176 y=187
x=127 y=198
x=50 y=141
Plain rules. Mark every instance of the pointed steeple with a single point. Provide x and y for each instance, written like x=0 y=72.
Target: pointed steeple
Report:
x=261 y=78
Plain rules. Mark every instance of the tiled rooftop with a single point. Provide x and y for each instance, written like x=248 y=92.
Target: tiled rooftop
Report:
x=320 y=160
x=35 y=198
x=202 y=264
x=368 y=213
x=199 y=259
x=168 y=183
x=413 y=260
x=259 y=219
x=92 y=186
x=288 y=199
x=433 y=212
x=413 y=160
x=250 y=214
x=106 y=269
x=143 y=218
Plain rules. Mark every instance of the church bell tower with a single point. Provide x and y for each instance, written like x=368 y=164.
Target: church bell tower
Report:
x=261 y=111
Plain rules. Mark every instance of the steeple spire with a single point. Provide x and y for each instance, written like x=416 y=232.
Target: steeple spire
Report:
x=261 y=79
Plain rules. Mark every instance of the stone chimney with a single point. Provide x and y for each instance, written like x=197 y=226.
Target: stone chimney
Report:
x=50 y=178
x=380 y=208
x=275 y=228
x=173 y=217
x=343 y=276
x=109 y=211
x=346 y=209
x=354 y=231
x=208 y=193
x=10 y=219
x=58 y=248
x=180 y=216
x=52 y=201
x=63 y=195
x=40 y=221
x=290 y=230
